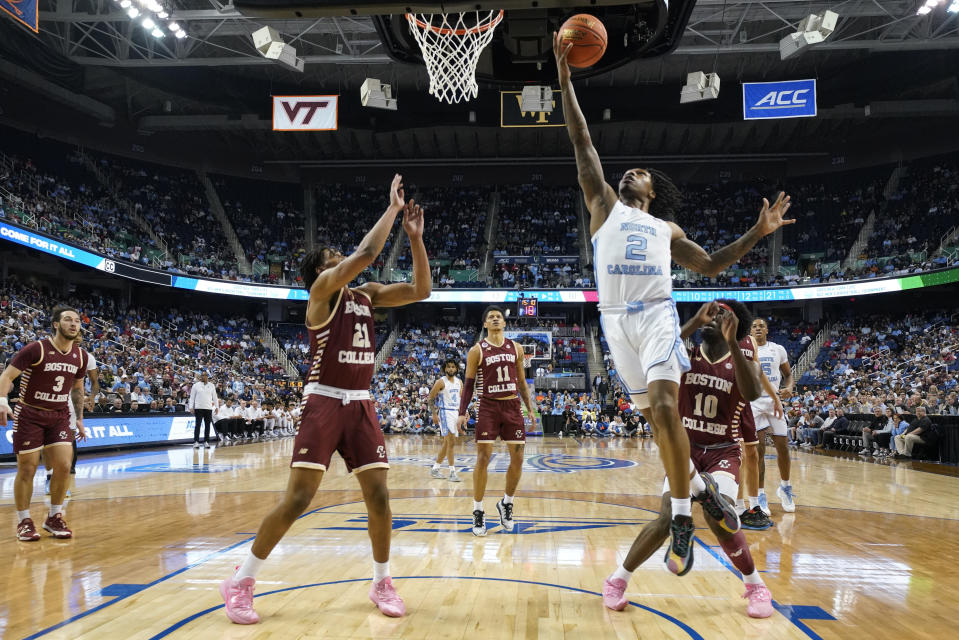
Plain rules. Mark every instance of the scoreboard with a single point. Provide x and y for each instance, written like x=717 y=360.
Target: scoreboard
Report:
x=527 y=307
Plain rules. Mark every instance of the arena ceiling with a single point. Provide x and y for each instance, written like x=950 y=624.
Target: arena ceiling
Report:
x=213 y=87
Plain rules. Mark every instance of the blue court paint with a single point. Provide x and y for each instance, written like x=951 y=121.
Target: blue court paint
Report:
x=682 y=625
x=121 y=590
x=794 y=613
x=438 y=523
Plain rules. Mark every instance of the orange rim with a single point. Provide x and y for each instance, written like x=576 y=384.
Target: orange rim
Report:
x=480 y=28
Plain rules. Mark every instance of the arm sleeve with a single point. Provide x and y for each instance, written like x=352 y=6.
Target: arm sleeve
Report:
x=467 y=395
x=29 y=355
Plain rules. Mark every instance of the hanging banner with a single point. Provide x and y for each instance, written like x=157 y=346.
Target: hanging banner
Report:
x=304 y=113
x=23 y=11
x=789 y=99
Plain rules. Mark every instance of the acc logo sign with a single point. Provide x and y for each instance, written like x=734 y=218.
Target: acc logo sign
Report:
x=305 y=113
x=109 y=266
x=790 y=99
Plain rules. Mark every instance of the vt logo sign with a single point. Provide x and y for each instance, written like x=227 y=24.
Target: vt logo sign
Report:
x=790 y=99
x=305 y=113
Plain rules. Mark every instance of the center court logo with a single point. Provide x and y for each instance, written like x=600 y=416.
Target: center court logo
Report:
x=541 y=463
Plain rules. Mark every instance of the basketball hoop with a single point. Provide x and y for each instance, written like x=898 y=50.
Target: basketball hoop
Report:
x=451 y=44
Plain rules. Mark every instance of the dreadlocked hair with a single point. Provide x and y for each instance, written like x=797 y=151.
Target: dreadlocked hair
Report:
x=668 y=198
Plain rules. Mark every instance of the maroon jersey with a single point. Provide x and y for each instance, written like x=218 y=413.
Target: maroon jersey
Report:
x=496 y=375
x=748 y=347
x=342 y=348
x=48 y=375
x=710 y=403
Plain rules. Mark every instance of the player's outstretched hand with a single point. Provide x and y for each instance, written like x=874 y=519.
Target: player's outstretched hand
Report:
x=561 y=51
x=397 y=198
x=461 y=424
x=81 y=432
x=771 y=216
x=706 y=313
x=413 y=219
x=729 y=328
x=5 y=412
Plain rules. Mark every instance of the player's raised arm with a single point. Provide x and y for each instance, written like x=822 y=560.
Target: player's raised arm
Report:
x=600 y=197
x=335 y=278
x=703 y=317
x=396 y=295
x=6 y=383
x=687 y=253
x=747 y=373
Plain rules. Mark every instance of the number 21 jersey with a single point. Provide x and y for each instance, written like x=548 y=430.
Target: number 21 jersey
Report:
x=631 y=254
x=343 y=348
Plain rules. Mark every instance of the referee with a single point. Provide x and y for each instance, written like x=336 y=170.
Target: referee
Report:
x=202 y=402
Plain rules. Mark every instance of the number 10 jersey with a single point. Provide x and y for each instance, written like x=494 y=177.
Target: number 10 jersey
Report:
x=632 y=258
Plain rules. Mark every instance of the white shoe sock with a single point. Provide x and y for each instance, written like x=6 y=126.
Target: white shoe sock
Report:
x=249 y=568
x=696 y=485
x=23 y=515
x=380 y=570
x=740 y=505
x=452 y=469
x=622 y=574
x=784 y=484
x=753 y=578
x=507 y=499
x=681 y=507
x=762 y=492
x=477 y=506
x=55 y=509
x=753 y=501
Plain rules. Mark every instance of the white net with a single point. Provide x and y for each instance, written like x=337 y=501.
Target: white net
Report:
x=451 y=46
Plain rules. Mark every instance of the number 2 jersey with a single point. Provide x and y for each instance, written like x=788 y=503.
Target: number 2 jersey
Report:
x=48 y=375
x=342 y=349
x=710 y=403
x=632 y=257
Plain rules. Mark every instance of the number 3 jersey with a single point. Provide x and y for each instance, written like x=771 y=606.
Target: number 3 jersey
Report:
x=710 y=403
x=48 y=375
x=342 y=349
x=631 y=254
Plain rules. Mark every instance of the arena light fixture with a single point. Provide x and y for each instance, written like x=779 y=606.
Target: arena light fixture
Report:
x=537 y=98
x=927 y=7
x=268 y=42
x=374 y=93
x=954 y=7
x=174 y=27
x=133 y=12
x=148 y=23
x=180 y=34
x=157 y=33
x=163 y=15
x=125 y=4
x=699 y=86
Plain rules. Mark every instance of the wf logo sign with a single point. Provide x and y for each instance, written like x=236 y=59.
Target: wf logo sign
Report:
x=305 y=113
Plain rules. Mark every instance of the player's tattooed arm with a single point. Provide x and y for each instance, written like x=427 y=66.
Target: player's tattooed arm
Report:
x=688 y=254
x=600 y=197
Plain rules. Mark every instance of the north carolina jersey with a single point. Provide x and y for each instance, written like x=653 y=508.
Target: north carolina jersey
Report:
x=48 y=374
x=710 y=403
x=449 y=396
x=496 y=374
x=771 y=358
x=631 y=254
x=342 y=348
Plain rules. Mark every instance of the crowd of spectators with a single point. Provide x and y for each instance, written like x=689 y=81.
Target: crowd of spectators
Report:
x=148 y=359
x=268 y=221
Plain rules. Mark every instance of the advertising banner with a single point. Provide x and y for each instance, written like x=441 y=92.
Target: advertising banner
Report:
x=304 y=113
x=788 y=99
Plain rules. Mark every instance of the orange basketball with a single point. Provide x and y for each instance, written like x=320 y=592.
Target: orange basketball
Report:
x=588 y=36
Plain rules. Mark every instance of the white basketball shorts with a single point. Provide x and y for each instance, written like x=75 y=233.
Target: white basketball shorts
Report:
x=764 y=413
x=645 y=347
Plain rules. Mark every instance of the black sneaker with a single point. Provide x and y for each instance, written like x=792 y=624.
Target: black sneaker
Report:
x=505 y=515
x=717 y=506
x=755 y=520
x=479 y=523
x=679 y=555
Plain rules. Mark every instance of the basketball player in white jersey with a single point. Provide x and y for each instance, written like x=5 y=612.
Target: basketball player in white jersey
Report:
x=444 y=398
x=774 y=362
x=634 y=244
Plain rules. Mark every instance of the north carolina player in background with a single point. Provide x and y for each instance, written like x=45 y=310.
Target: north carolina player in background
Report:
x=495 y=371
x=338 y=414
x=53 y=371
x=774 y=362
x=717 y=388
x=444 y=398
x=634 y=245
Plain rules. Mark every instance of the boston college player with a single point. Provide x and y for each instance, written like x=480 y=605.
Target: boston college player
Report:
x=53 y=370
x=337 y=411
x=712 y=394
x=494 y=366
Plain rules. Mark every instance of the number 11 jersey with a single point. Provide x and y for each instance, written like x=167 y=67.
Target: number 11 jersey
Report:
x=632 y=258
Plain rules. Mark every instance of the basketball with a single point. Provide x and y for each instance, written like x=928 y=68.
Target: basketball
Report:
x=588 y=36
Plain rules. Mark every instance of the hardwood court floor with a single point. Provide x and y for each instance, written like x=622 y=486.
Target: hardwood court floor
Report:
x=870 y=553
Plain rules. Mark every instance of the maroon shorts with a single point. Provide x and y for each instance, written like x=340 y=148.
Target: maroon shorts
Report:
x=726 y=460
x=500 y=418
x=747 y=426
x=34 y=429
x=328 y=425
